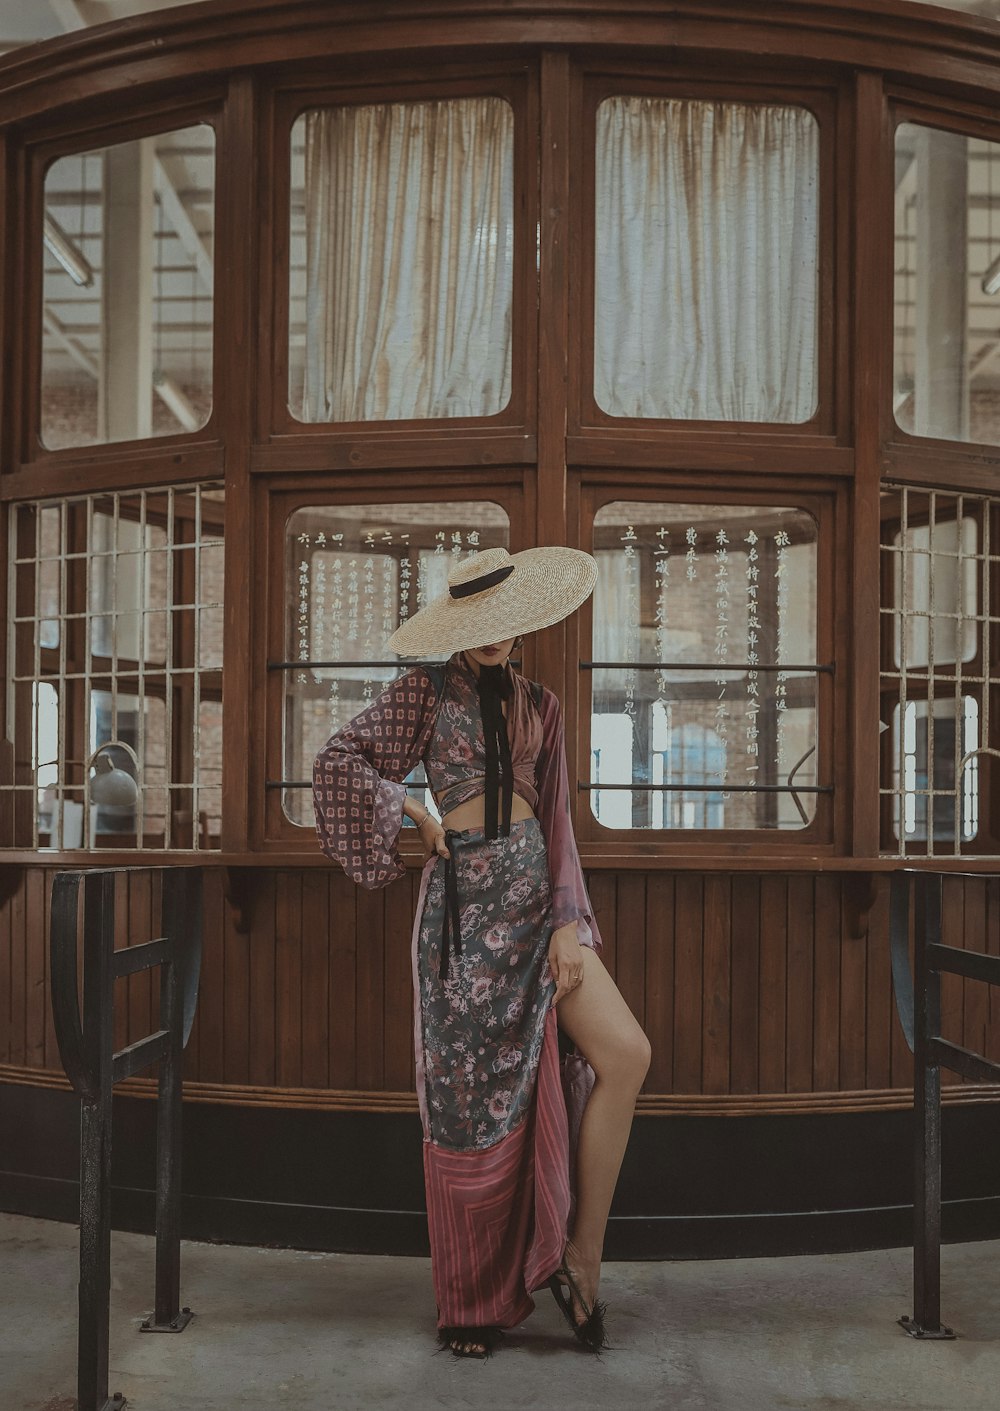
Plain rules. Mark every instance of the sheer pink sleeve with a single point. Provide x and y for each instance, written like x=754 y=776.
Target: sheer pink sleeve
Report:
x=358 y=791
x=570 y=900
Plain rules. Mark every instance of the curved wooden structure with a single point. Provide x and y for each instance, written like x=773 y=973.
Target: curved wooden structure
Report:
x=759 y=965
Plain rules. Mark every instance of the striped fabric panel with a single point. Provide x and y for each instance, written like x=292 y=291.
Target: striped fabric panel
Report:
x=497 y=1217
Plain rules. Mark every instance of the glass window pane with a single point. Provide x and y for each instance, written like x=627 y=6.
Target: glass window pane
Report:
x=936 y=572
x=130 y=356
x=352 y=573
x=706 y=242
x=704 y=633
x=947 y=285
x=929 y=756
x=401 y=267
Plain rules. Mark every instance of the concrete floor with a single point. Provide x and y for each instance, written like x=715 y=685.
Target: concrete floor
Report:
x=332 y=1332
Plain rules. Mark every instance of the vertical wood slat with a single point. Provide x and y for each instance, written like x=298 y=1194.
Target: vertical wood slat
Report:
x=315 y=929
x=212 y=998
x=236 y=1018
x=716 y=985
x=688 y=916
x=992 y=1049
x=288 y=979
x=953 y=924
x=773 y=980
x=133 y=917
x=6 y=985
x=880 y=1003
x=853 y=999
x=343 y=965
x=826 y=983
x=975 y=994
x=745 y=1017
x=18 y=967
x=799 y=1022
x=36 y=999
x=370 y=979
x=659 y=1008
x=262 y=980
x=50 y=1058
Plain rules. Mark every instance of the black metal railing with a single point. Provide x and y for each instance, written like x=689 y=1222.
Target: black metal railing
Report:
x=93 y=1067
x=918 y=1004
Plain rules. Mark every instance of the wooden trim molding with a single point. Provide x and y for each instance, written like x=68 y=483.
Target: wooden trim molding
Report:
x=649 y=1105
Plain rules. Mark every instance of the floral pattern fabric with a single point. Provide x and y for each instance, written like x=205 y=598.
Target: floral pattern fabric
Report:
x=484 y=1024
x=456 y=752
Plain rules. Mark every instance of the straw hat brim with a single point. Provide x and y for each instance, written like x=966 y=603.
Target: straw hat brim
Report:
x=547 y=584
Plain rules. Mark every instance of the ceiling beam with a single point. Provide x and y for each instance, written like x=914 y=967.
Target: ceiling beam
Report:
x=70 y=344
x=187 y=233
x=70 y=16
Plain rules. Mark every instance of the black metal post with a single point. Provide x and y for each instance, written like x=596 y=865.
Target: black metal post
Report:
x=180 y=918
x=95 y=1148
x=93 y=1067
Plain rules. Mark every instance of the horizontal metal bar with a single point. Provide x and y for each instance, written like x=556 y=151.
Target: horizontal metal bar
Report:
x=401 y=665
x=705 y=666
x=664 y=788
x=140 y=1054
x=970 y=963
x=141 y=957
x=720 y=788
x=962 y=1060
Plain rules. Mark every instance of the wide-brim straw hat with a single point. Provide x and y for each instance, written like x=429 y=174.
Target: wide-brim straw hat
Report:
x=494 y=595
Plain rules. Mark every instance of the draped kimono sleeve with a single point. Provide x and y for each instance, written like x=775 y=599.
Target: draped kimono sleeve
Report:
x=570 y=900
x=358 y=789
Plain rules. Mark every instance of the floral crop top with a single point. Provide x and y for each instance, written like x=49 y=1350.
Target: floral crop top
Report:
x=455 y=759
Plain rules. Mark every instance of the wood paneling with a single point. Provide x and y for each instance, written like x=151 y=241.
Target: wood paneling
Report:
x=747 y=986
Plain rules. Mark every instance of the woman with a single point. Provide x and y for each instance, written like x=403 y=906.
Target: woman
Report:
x=504 y=946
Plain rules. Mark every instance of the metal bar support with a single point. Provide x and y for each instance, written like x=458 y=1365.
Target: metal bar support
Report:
x=93 y=1067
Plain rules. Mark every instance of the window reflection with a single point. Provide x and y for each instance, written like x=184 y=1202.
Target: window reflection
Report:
x=127 y=307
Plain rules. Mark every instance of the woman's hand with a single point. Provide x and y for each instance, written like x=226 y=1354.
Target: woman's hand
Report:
x=432 y=836
x=565 y=960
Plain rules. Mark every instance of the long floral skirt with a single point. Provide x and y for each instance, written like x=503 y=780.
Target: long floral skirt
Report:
x=496 y=1138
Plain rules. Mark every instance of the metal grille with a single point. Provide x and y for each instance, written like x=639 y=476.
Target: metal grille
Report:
x=115 y=670
x=939 y=669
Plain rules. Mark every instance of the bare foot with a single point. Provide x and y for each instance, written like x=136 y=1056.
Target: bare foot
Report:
x=587 y=1273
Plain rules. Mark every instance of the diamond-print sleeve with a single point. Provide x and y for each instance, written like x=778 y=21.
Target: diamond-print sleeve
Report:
x=570 y=899
x=358 y=791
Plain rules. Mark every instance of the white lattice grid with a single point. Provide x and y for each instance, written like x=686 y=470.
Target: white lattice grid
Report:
x=147 y=628
x=941 y=562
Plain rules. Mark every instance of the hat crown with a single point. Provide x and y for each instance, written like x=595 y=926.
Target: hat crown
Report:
x=485 y=561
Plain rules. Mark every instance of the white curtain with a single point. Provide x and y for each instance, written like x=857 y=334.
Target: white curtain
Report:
x=706 y=260
x=409 y=251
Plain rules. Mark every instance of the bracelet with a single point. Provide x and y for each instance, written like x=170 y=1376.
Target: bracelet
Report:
x=420 y=822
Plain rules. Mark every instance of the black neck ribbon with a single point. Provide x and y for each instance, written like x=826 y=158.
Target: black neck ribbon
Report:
x=495 y=686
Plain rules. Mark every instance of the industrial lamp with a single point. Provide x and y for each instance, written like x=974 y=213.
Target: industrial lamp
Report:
x=110 y=785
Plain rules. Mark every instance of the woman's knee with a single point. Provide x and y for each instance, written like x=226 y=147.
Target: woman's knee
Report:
x=624 y=1059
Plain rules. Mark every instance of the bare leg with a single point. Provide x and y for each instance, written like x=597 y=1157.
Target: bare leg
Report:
x=602 y=1026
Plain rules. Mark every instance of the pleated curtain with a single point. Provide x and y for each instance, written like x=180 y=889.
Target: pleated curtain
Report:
x=706 y=229
x=409 y=249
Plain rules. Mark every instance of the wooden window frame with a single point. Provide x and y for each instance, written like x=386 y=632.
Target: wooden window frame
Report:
x=283 y=443
x=272 y=830
x=40 y=469
x=929 y=461
x=593 y=432
x=827 y=832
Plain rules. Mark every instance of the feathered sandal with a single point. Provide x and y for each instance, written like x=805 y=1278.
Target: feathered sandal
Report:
x=483 y=1341
x=589 y=1334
